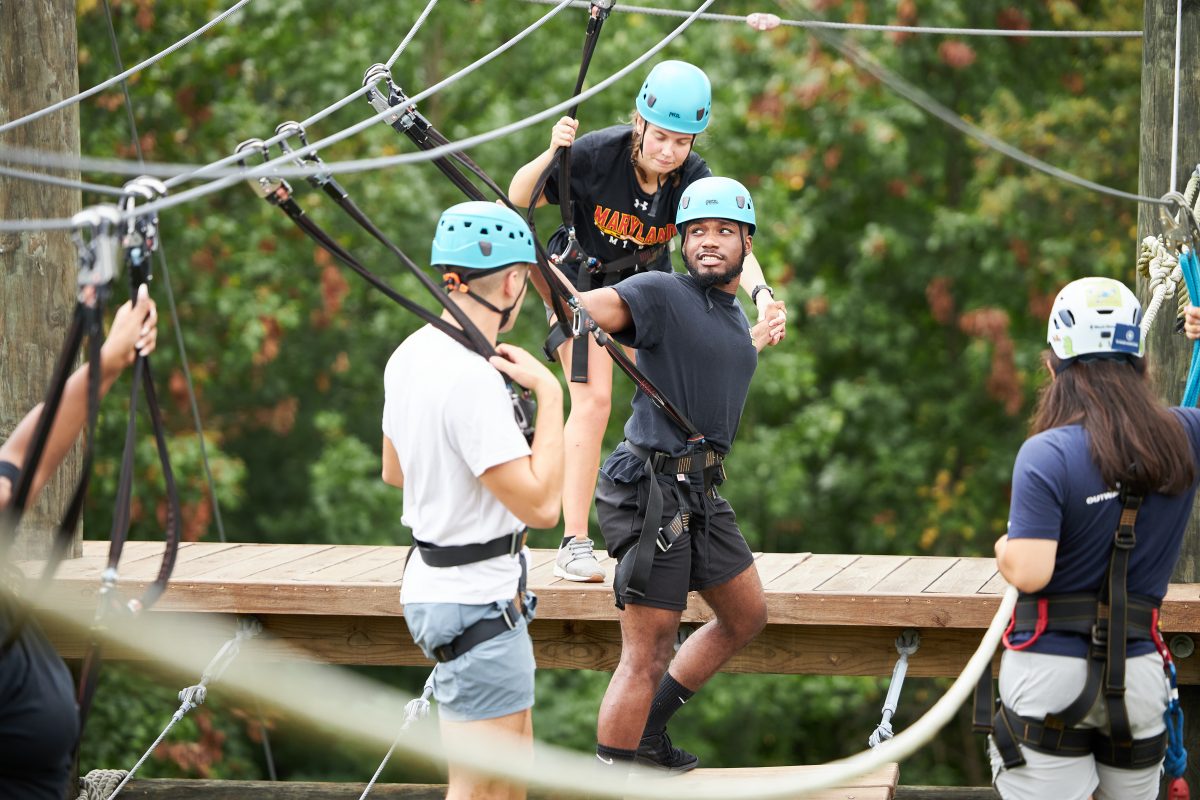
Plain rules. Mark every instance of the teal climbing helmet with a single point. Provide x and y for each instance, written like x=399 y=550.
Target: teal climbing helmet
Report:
x=676 y=97
x=715 y=198
x=481 y=236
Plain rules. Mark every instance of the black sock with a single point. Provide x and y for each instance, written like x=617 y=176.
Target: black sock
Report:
x=669 y=698
x=566 y=540
x=612 y=756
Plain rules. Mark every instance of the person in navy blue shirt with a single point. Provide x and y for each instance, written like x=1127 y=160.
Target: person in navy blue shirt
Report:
x=1098 y=431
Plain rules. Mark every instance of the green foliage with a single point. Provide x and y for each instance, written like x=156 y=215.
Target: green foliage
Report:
x=917 y=267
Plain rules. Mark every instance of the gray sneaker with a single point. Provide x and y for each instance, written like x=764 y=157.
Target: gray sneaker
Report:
x=577 y=562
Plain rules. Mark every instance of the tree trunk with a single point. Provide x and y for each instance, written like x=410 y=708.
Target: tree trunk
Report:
x=1169 y=354
x=37 y=269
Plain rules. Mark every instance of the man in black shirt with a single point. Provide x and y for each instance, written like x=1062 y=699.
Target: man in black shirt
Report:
x=696 y=346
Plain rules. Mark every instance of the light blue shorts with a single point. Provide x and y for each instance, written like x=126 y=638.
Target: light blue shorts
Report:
x=492 y=679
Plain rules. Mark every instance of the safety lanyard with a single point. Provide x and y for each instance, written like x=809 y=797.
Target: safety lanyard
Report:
x=572 y=317
x=278 y=192
x=95 y=239
x=139 y=242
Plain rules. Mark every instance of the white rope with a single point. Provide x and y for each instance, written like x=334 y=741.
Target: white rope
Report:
x=194 y=696
x=1164 y=273
x=50 y=109
x=853 y=26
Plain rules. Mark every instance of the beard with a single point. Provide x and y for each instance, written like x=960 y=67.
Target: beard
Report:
x=711 y=279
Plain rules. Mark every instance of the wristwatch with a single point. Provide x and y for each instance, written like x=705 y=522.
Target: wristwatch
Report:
x=762 y=287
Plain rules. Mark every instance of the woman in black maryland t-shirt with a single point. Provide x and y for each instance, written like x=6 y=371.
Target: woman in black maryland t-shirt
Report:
x=626 y=182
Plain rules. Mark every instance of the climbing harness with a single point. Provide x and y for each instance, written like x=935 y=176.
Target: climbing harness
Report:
x=97 y=253
x=1111 y=618
x=139 y=241
x=907 y=644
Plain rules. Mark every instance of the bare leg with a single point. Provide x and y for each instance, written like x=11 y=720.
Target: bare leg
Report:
x=591 y=403
x=647 y=642
x=741 y=613
x=467 y=785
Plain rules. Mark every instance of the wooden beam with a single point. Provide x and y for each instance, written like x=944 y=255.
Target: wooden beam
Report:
x=37 y=268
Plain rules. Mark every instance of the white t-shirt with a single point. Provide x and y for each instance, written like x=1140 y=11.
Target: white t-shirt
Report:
x=449 y=416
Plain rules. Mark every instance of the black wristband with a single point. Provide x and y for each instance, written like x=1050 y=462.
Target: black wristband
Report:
x=762 y=287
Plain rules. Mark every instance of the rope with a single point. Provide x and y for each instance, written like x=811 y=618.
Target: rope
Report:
x=932 y=107
x=194 y=696
x=66 y=183
x=99 y=783
x=359 y=165
x=851 y=26
x=154 y=59
x=411 y=33
x=415 y=710
x=1160 y=266
x=162 y=261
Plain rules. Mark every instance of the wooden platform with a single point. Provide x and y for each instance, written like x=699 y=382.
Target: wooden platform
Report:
x=828 y=614
x=878 y=785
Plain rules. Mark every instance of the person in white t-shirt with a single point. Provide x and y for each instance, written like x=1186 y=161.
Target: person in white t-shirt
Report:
x=472 y=483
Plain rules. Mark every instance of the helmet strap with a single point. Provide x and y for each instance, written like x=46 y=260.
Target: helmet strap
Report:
x=453 y=282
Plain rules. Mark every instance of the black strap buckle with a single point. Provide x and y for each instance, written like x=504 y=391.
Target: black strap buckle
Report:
x=511 y=615
x=514 y=547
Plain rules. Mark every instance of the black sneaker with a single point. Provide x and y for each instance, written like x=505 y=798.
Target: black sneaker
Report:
x=657 y=751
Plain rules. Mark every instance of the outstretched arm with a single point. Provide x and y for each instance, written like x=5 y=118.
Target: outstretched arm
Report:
x=520 y=189
x=134 y=330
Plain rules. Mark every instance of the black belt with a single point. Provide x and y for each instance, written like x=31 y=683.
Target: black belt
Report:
x=1076 y=613
x=1045 y=737
x=509 y=544
x=520 y=606
x=682 y=467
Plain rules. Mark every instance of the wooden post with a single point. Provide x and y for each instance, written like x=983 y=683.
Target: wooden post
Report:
x=1168 y=353
x=37 y=269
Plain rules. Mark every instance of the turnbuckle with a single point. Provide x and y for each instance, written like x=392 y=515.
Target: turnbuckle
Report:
x=269 y=187
x=96 y=240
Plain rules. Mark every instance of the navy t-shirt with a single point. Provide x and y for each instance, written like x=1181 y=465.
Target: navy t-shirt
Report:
x=613 y=216
x=693 y=344
x=1058 y=493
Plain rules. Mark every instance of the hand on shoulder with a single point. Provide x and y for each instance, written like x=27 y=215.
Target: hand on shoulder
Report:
x=523 y=368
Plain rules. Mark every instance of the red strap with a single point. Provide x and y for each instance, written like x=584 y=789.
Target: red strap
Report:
x=1039 y=627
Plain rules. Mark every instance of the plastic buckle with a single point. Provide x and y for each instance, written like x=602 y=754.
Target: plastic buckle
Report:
x=515 y=540
x=441 y=654
x=657 y=460
x=511 y=623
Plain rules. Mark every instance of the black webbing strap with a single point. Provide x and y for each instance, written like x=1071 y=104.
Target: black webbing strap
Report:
x=509 y=544
x=485 y=629
x=655 y=536
x=1115 y=616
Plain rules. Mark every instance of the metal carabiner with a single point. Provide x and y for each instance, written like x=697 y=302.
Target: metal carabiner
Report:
x=394 y=96
x=97 y=249
x=291 y=129
x=141 y=230
x=601 y=8
x=268 y=186
x=1176 y=228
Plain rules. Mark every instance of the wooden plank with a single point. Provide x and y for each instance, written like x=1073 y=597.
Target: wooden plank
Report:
x=967 y=576
x=811 y=571
x=996 y=585
x=913 y=576
x=312 y=562
x=865 y=572
x=249 y=560
x=773 y=565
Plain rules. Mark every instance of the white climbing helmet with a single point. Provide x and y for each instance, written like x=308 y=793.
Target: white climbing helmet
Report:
x=1095 y=315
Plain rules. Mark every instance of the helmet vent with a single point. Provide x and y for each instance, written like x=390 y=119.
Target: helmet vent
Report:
x=741 y=201
x=685 y=201
x=651 y=100
x=485 y=247
x=1104 y=310
x=467 y=223
x=699 y=114
x=1068 y=319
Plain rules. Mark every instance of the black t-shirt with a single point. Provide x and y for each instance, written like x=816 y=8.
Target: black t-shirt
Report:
x=693 y=344
x=39 y=721
x=613 y=216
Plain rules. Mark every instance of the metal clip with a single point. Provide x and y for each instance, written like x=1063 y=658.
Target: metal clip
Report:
x=1176 y=218
x=602 y=8
x=291 y=129
x=141 y=230
x=379 y=99
x=267 y=186
x=98 y=247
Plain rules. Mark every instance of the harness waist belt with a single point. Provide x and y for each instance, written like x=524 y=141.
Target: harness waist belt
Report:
x=1076 y=613
x=434 y=555
x=665 y=464
x=486 y=629
x=1011 y=728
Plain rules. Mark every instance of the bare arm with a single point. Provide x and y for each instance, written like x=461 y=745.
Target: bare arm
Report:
x=520 y=188
x=531 y=487
x=1027 y=564
x=393 y=474
x=134 y=330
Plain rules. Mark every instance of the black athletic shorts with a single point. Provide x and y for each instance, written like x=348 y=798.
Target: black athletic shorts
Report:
x=712 y=552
